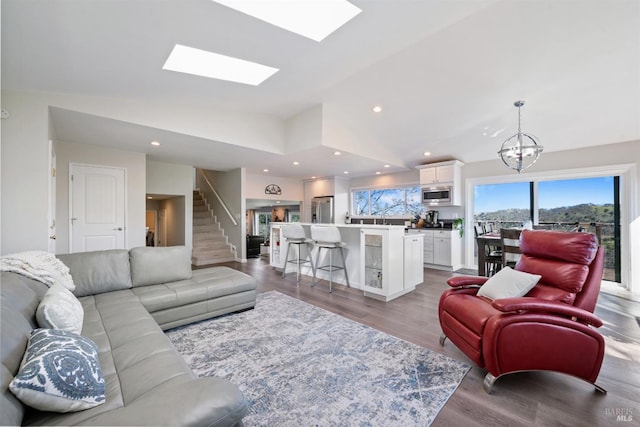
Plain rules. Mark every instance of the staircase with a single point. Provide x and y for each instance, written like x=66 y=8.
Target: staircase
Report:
x=210 y=245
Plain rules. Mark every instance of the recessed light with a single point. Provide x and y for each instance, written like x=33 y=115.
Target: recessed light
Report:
x=377 y=109
x=427 y=153
x=184 y=59
x=311 y=19
x=313 y=177
x=378 y=173
x=346 y=172
x=277 y=201
x=296 y=163
x=387 y=166
x=336 y=153
x=155 y=143
x=265 y=170
x=149 y=197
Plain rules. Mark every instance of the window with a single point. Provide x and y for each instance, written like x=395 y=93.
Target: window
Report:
x=508 y=204
x=585 y=204
x=400 y=201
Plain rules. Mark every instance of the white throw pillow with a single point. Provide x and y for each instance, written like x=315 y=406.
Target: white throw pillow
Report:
x=60 y=372
x=508 y=283
x=60 y=309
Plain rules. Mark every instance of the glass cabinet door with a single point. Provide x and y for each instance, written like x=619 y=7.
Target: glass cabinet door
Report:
x=372 y=269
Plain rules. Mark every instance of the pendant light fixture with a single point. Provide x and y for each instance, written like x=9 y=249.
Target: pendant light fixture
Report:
x=521 y=150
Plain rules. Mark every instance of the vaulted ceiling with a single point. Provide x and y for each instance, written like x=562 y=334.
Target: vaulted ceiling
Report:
x=446 y=74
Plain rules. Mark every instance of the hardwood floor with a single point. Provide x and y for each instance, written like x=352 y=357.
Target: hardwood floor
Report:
x=523 y=399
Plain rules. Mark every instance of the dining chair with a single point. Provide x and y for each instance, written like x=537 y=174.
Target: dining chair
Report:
x=510 y=238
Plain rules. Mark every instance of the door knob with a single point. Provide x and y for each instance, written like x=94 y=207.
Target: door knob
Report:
x=118 y=229
x=53 y=237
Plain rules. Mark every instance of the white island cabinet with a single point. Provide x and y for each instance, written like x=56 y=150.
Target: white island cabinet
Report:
x=375 y=257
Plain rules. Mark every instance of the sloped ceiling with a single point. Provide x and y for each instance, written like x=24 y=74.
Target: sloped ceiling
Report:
x=446 y=74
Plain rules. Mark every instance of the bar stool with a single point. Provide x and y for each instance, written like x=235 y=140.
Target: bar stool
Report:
x=327 y=237
x=294 y=235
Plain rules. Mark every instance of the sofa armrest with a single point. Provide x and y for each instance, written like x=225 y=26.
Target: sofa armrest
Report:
x=462 y=281
x=207 y=401
x=546 y=306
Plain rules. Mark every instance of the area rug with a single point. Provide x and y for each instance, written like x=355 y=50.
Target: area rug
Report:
x=300 y=365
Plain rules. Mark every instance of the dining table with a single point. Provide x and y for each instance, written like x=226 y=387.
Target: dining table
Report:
x=484 y=241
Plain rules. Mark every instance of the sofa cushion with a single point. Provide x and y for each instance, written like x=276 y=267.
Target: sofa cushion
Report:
x=60 y=372
x=98 y=271
x=153 y=265
x=60 y=309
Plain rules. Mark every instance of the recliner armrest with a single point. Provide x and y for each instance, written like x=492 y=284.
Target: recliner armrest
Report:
x=546 y=306
x=462 y=281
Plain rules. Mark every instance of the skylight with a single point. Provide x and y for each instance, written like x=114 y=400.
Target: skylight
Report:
x=189 y=60
x=315 y=19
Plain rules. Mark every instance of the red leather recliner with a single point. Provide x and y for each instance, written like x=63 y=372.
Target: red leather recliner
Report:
x=550 y=329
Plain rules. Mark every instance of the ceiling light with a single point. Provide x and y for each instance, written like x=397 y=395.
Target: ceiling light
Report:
x=184 y=59
x=427 y=153
x=311 y=18
x=387 y=166
x=378 y=173
x=296 y=163
x=265 y=170
x=520 y=150
x=377 y=109
x=155 y=143
x=336 y=153
x=346 y=172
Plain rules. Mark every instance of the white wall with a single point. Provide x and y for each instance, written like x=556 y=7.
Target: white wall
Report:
x=25 y=160
x=175 y=180
x=292 y=189
x=135 y=204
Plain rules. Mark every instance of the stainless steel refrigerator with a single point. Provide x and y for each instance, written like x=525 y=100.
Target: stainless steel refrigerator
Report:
x=322 y=210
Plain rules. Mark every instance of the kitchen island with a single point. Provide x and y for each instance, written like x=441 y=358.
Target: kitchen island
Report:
x=382 y=260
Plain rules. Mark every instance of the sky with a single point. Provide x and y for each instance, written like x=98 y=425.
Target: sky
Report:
x=552 y=194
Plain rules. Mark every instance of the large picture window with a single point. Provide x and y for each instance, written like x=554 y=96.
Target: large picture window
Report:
x=399 y=201
x=584 y=204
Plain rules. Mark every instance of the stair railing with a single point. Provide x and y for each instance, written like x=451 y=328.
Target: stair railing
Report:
x=215 y=193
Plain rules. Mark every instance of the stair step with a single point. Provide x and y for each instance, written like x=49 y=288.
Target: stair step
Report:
x=206 y=229
x=210 y=244
x=201 y=221
x=206 y=261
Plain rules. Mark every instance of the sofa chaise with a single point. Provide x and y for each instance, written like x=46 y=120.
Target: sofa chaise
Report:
x=128 y=298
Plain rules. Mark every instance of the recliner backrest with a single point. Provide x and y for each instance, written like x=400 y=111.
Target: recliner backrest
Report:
x=566 y=263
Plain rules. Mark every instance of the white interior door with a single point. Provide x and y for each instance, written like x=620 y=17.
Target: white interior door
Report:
x=97 y=199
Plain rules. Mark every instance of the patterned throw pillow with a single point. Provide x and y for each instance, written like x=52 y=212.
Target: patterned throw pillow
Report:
x=60 y=372
x=60 y=309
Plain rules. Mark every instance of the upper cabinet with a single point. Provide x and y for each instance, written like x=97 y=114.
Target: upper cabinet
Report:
x=443 y=173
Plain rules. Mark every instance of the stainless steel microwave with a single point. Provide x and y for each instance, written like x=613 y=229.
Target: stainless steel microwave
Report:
x=437 y=195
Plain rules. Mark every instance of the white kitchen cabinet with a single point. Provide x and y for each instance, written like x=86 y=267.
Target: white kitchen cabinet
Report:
x=437 y=175
x=382 y=263
x=413 y=260
x=442 y=249
x=441 y=173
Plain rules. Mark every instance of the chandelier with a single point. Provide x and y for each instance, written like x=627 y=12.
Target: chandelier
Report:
x=521 y=150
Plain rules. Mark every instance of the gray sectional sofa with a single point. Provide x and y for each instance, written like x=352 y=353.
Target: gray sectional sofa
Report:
x=129 y=298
